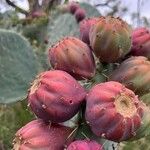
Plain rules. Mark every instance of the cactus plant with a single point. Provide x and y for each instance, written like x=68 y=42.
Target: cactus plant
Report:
x=18 y=66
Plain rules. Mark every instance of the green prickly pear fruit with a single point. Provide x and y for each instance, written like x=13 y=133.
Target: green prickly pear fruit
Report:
x=110 y=39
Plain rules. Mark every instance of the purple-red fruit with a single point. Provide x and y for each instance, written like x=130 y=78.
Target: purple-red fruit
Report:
x=85 y=26
x=113 y=111
x=110 y=39
x=141 y=42
x=73 y=56
x=84 y=145
x=73 y=6
x=55 y=96
x=80 y=14
x=38 y=135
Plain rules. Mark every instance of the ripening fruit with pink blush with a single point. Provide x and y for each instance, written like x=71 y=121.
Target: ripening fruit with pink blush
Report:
x=73 y=6
x=141 y=42
x=113 y=111
x=38 y=135
x=110 y=39
x=55 y=96
x=84 y=145
x=73 y=56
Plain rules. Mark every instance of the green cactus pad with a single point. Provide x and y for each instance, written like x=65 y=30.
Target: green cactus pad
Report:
x=18 y=66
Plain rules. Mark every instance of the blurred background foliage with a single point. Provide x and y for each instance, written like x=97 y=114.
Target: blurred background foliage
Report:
x=42 y=25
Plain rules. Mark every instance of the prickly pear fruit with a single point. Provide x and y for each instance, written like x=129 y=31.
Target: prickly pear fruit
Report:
x=38 y=135
x=73 y=56
x=110 y=39
x=80 y=14
x=85 y=26
x=73 y=6
x=141 y=42
x=84 y=145
x=134 y=73
x=55 y=96
x=113 y=111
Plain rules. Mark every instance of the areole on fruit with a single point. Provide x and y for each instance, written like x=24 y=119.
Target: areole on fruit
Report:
x=35 y=85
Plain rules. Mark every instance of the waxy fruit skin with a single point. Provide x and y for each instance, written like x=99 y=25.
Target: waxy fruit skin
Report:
x=55 y=96
x=113 y=111
x=73 y=56
x=38 y=135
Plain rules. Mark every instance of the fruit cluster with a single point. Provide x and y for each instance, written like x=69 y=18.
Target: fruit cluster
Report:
x=74 y=9
x=112 y=110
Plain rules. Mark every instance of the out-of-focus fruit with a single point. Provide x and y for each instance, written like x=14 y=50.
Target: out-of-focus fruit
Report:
x=80 y=14
x=55 y=96
x=73 y=6
x=110 y=39
x=113 y=111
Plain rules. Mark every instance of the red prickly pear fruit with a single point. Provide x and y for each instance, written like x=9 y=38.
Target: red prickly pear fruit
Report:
x=55 y=96
x=73 y=56
x=38 y=135
x=73 y=6
x=134 y=73
x=113 y=111
x=110 y=39
x=80 y=14
x=141 y=42
x=85 y=26
x=84 y=145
